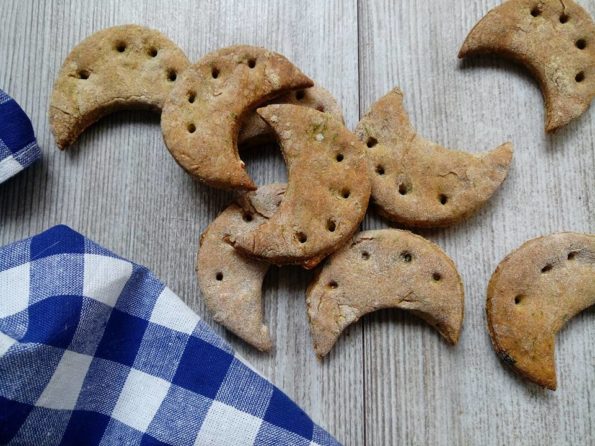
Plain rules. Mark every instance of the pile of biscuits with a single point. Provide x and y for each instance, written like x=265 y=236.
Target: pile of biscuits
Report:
x=244 y=95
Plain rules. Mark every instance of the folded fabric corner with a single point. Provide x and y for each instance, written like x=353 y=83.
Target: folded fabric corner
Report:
x=96 y=350
x=18 y=146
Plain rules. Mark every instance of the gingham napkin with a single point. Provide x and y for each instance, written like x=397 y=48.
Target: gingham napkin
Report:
x=94 y=350
x=18 y=147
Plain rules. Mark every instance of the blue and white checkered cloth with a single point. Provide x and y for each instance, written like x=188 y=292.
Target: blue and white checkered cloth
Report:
x=18 y=147
x=94 y=350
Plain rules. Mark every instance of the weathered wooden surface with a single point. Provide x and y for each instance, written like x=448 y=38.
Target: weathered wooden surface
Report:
x=390 y=379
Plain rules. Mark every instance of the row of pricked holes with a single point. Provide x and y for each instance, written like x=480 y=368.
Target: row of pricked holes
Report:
x=302 y=238
x=403 y=189
x=299 y=95
x=121 y=47
x=405 y=256
x=215 y=71
x=581 y=44
x=547 y=268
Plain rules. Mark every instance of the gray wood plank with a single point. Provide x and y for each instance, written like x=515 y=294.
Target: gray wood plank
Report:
x=418 y=389
x=120 y=187
x=390 y=378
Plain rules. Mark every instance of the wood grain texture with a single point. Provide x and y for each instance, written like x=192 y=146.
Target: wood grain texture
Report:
x=418 y=389
x=390 y=379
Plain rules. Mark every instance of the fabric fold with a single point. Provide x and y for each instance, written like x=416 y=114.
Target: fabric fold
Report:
x=94 y=349
x=18 y=146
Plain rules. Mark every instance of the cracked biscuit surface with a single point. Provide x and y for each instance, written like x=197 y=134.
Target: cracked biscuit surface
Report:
x=387 y=268
x=230 y=283
x=532 y=294
x=418 y=183
x=118 y=68
x=256 y=131
x=327 y=192
x=202 y=116
x=555 y=40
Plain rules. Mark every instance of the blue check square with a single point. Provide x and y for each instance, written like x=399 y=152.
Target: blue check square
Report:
x=95 y=350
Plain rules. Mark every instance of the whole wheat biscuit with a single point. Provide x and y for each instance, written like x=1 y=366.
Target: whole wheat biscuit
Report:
x=555 y=40
x=419 y=183
x=255 y=131
x=534 y=291
x=386 y=268
x=123 y=67
x=202 y=115
x=327 y=192
x=230 y=283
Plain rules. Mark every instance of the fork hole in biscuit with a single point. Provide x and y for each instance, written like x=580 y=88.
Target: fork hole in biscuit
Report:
x=564 y=18
x=331 y=225
x=251 y=63
x=406 y=257
x=191 y=97
x=219 y=276
x=215 y=72
x=333 y=285
x=120 y=47
x=83 y=74
x=371 y=142
x=172 y=75
x=518 y=299
x=345 y=193
x=547 y=268
x=365 y=255
x=580 y=76
x=191 y=128
x=247 y=217
x=301 y=237
x=443 y=199
x=339 y=157
x=380 y=170
x=581 y=44
x=153 y=52
x=536 y=11
x=572 y=255
x=437 y=277
x=403 y=189
x=300 y=94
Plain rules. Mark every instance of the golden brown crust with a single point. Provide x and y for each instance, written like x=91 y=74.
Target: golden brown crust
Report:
x=255 y=131
x=418 y=183
x=555 y=40
x=534 y=291
x=327 y=193
x=202 y=115
x=123 y=67
x=230 y=283
x=386 y=268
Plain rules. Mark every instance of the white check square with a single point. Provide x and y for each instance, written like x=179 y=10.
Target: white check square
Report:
x=8 y=167
x=5 y=343
x=14 y=283
x=140 y=399
x=63 y=389
x=216 y=429
x=171 y=312
x=105 y=278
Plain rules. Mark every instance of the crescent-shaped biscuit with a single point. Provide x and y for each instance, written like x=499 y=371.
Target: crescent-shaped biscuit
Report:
x=230 y=283
x=534 y=291
x=387 y=268
x=202 y=116
x=255 y=131
x=327 y=193
x=555 y=40
x=419 y=183
x=123 y=67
